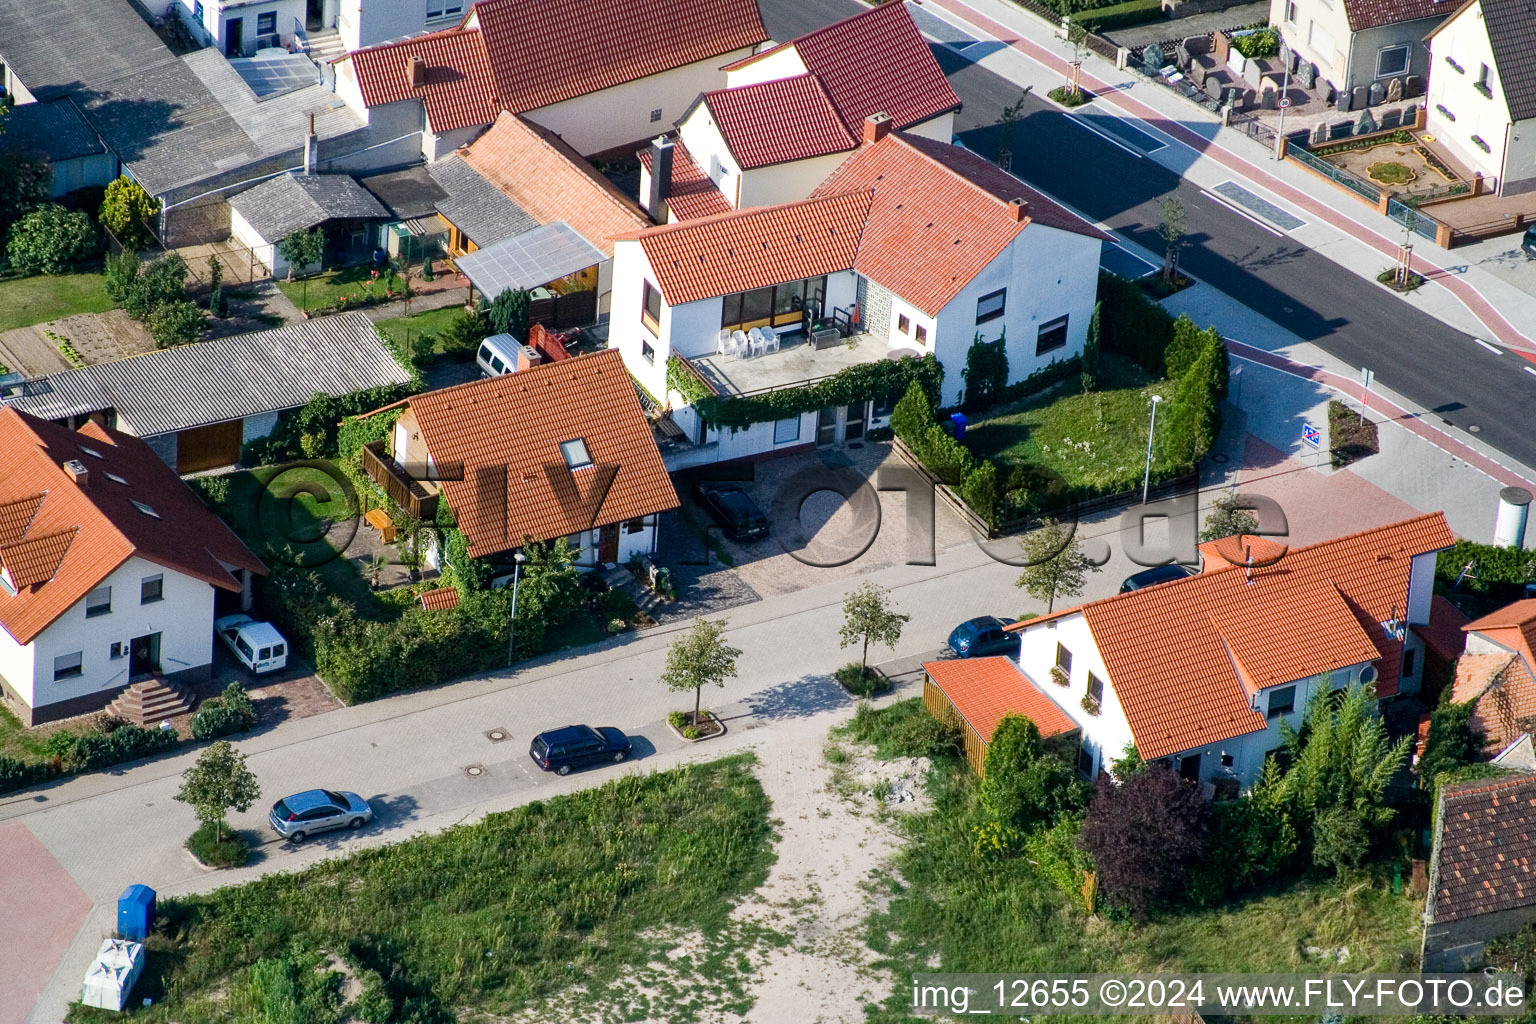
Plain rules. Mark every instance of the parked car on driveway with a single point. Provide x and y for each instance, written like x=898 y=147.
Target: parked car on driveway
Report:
x=983 y=638
x=1528 y=242
x=303 y=814
x=1159 y=574
x=257 y=645
x=733 y=508
x=560 y=750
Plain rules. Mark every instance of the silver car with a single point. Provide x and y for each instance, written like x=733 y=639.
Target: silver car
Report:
x=318 y=810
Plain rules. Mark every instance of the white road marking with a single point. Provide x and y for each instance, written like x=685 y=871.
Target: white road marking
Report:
x=1240 y=211
x=1491 y=348
x=1138 y=154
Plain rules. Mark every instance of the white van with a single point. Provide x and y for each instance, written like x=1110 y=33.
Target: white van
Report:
x=498 y=355
x=257 y=645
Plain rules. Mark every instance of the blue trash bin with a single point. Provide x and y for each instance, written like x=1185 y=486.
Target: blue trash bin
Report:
x=135 y=912
x=959 y=421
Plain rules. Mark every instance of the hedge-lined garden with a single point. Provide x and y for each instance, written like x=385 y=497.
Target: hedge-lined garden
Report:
x=106 y=741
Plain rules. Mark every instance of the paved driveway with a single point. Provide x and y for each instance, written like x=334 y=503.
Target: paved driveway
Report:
x=44 y=907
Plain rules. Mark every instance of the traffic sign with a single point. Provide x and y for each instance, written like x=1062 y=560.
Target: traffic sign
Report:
x=1285 y=101
x=1311 y=435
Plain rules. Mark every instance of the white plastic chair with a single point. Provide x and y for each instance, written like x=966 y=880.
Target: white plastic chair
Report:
x=756 y=340
x=740 y=346
x=723 y=344
x=771 y=336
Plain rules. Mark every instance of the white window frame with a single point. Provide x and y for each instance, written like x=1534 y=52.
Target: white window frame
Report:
x=94 y=603
x=992 y=306
x=62 y=669
x=1407 y=51
x=786 y=430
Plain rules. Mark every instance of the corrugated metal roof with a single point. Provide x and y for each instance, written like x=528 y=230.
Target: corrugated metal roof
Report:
x=297 y=202
x=534 y=258
x=230 y=378
x=54 y=131
x=475 y=206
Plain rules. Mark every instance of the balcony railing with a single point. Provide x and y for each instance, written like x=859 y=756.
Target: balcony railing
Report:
x=409 y=494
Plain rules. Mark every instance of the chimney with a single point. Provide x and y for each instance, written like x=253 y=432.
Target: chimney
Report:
x=311 y=149
x=1020 y=209
x=416 y=70
x=77 y=472
x=528 y=357
x=876 y=127
x=1248 y=557
x=661 y=179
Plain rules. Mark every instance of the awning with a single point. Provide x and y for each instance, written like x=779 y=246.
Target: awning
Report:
x=526 y=261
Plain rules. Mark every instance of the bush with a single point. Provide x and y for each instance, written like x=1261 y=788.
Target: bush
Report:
x=949 y=460
x=1351 y=435
x=1253 y=45
x=1145 y=836
x=1059 y=857
x=16 y=774
x=127 y=211
x=912 y=416
x=1452 y=742
x=51 y=240
x=1025 y=785
x=121 y=272
x=859 y=681
x=230 y=852
x=88 y=752
x=230 y=712
x=463 y=334
x=985 y=373
x=1135 y=12
x=1132 y=325
x=677 y=719
x=1070 y=99
x=154 y=284
x=616 y=604
x=979 y=491
x=1500 y=572
x=175 y=323
x=905 y=729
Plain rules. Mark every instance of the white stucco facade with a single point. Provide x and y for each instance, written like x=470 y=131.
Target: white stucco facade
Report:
x=371 y=22
x=1467 y=111
x=240 y=29
x=183 y=620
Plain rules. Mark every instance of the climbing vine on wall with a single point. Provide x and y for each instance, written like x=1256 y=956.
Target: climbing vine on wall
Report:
x=883 y=381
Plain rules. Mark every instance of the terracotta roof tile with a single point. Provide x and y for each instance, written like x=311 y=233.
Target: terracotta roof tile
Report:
x=755 y=247
x=1364 y=14
x=692 y=195
x=1487 y=849
x=77 y=535
x=983 y=690
x=544 y=176
x=545 y=51
x=518 y=421
x=776 y=122
x=1172 y=671
x=1443 y=633
x=459 y=91
x=905 y=81
x=1501 y=681
x=440 y=599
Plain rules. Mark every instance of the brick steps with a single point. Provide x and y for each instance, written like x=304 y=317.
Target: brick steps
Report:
x=151 y=700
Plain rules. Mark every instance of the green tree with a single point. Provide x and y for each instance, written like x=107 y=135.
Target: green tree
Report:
x=128 y=211
x=698 y=658
x=463 y=334
x=508 y=314
x=217 y=783
x=1452 y=741
x=51 y=240
x=1091 y=357
x=985 y=373
x=155 y=284
x=1341 y=763
x=1055 y=563
x=24 y=182
x=175 y=323
x=1128 y=764
x=912 y=416
x=1228 y=518
x=1024 y=785
x=218 y=302
x=301 y=250
x=868 y=615
x=548 y=593
x=122 y=270
x=1171 y=224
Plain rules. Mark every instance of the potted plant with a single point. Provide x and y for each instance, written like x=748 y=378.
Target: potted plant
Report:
x=1090 y=704
x=1059 y=675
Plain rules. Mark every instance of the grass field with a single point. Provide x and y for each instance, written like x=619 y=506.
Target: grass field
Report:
x=481 y=919
x=325 y=288
x=953 y=910
x=1095 y=442
x=34 y=300
x=404 y=328
x=17 y=741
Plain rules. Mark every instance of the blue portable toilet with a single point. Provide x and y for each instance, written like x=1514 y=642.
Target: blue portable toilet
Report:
x=135 y=912
x=959 y=421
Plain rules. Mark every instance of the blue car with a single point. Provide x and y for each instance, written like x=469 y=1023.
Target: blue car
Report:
x=984 y=638
x=318 y=810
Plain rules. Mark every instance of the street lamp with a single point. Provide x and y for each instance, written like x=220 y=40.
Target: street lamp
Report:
x=1285 y=93
x=517 y=571
x=1146 y=477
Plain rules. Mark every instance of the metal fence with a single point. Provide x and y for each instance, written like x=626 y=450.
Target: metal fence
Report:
x=1419 y=223
x=1367 y=192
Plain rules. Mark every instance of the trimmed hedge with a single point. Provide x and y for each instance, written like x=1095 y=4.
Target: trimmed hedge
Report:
x=16 y=774
x=93 y=751
x=1501 y=572
x=230 y=852
x=228 y=713
x=1134 y=12
x=885 y=380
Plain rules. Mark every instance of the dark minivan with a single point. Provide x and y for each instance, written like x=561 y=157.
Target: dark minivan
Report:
x=560 y=750
x=733 y=508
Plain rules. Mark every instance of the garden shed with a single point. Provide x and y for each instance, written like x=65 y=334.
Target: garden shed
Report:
x=349 y=214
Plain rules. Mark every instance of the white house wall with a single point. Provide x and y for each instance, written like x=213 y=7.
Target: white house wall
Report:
x=915 y=318
x=436 y=145
x=625 y=331
x=241 y=230
x=1465 y=40
x=940 y=128
x=641 y=543
x=1048 y=273
x=704 y=141
x=1520 y=158
x=785 y=63
x=621 y=114
x=371 y=22
x=184 y=618
x=788 y=182
x=16 y=665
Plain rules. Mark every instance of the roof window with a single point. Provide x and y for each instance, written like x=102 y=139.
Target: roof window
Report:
x=146 y=510
x=92 y=452
x=117 y=479
x=575 y=453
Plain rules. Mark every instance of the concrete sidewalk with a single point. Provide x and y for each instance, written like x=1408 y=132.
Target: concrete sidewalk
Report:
x=1197 y=147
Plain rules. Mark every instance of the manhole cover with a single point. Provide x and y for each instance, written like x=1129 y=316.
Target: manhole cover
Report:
x=1474 y=428
x=497 y=735
x=1218 y=457
x=474 y=771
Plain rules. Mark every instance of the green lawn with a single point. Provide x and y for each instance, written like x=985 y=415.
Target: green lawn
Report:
x=17 y=741
x=1095 y=442
x=953 y=910
x=408 y=328
x=35 y=300
x=325 y=288
x=483 y=919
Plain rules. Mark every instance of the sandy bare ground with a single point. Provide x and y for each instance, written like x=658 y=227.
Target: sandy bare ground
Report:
x=795 y=949
x=98 y=337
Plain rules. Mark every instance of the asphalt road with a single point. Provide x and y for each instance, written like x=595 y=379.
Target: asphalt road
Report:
x=1412 y=353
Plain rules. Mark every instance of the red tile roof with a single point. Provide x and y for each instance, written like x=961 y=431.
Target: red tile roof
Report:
x=693 y=195
x=1501 y=682
x=1442 y=634
x=545 y=51
x=940 y=215
x=983 y=690
x=59 y=540
x=518 y=421
x=756 y=247
x=1486 y=845
x=459 y=91
x=544 y=176
x=1169 y=649
x=440 y=599
x=874 y=62
x=776 y=122
x=1364 y=14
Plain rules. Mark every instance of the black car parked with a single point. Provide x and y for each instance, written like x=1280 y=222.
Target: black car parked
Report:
x=1528 y=242
x=984 y=637
x=733 y=508
x=560 y=750
x=1160 y=574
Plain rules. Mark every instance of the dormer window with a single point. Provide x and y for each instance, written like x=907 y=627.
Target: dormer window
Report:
x=117 y=479
x=92 y=452
x=575 y=453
